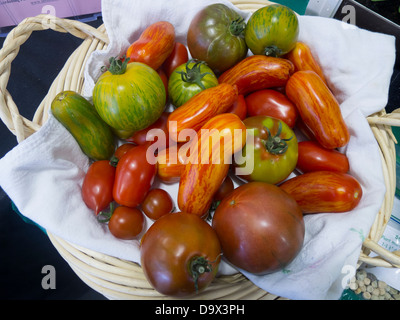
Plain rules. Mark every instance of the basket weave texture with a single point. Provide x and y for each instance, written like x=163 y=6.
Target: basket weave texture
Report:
x=120 y=279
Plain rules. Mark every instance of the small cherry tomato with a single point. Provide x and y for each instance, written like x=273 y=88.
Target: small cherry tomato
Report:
x=269 y=102
x=126 y=223
x=157 y=203
x=178 y=56
x=313 y=157
x=98 y=185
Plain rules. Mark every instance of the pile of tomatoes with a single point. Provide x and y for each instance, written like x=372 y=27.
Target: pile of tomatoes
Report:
x=263 y=102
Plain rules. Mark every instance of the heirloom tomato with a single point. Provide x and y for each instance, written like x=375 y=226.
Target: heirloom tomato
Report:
x=126 y=223
x=260 y=227
x=258 y=72
x=129 y=97
x=272 y=103
x=324 y=191
x=271 y=150
x=314 y=157
x=188 y=80
x=180 y=254
x=157 y=203
x=133 y=177
x=216 y=36
x=239 y=107
x=272 y=30
x=318 y=108
x=154 y=45
x=97 y=185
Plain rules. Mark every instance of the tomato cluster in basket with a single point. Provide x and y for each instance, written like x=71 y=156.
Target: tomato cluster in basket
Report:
x=232 y=117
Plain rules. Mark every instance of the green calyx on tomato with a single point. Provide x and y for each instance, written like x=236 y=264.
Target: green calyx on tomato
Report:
x=237 y=26
x=271 y=151
x=117 y=66
x=276 y=144
x=189 y=79
x=198 y=266
x=193 y=74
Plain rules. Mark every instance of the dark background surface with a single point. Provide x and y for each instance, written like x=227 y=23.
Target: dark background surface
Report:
x=24 y=248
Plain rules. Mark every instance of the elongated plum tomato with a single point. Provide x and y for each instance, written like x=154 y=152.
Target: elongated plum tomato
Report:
x=134 y=177
x=260 y=227
x=324 y=191
x=129 y=97
x=272 y=30
x=154 y=45
x=97 y=185
x=180 y=254
x=314 y=157
x=216 y=36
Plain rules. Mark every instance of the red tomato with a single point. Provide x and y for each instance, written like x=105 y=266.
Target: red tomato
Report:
x=98 y=185
x=133 y=177
x=178 y=56
x=149 y=136
x=239 y=107
x=313 y=157
x=269 y=102
x=157 y=203
x=180 y=254
x=324 y=191
x=126 y=223
x=260 y=227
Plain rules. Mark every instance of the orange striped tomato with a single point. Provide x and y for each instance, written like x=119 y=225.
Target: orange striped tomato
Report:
x=258 y=72
x=324 y=191
x=318 y=108
x=303 y=59
x=198 y=110
x=209 y=161
x=154 y=45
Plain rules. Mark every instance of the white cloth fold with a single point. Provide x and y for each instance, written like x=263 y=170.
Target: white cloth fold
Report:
x=43 y=174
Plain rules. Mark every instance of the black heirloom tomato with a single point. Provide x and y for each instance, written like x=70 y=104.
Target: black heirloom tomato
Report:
x=216 y=36
x=260 y=227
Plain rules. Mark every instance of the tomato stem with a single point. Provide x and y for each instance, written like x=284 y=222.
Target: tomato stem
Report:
x=117 y=66
x=237 y=26
x=198 y=266
x=194 y=75
x=276 y=144
x=272 y=51
x=105 y=216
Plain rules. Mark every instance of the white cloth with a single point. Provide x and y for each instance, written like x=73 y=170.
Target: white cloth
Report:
x=43 y=174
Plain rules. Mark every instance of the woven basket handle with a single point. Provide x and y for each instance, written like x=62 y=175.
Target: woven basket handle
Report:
x=9 y=114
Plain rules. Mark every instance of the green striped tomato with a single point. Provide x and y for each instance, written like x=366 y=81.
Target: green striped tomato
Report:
x=129 y=97
x=80 y=118
x=272 y=30
x=189 y=79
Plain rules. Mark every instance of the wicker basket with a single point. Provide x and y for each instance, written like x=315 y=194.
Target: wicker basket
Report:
x=120 y=279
